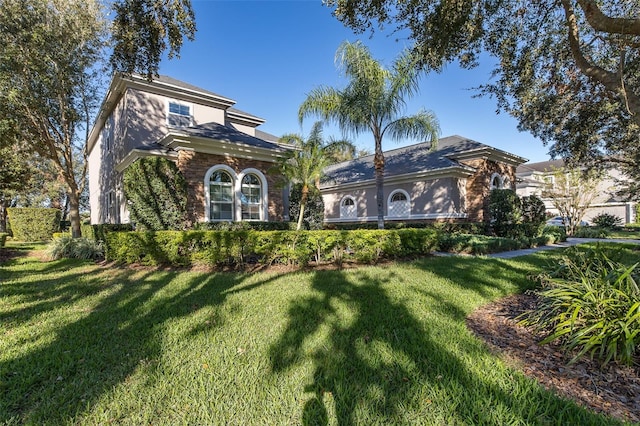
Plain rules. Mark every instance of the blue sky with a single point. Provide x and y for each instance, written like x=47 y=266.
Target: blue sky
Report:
x=267 y=55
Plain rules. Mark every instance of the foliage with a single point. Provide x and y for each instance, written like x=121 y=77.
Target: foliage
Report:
x=244 y=226
x=66 y=247
x=606 y=220
x=559 y=232
x=571 y=191
x=3 y=238
x=373 y=101
x=142 y=31
x=314 y=207
x=478 y=244
x=33 y=223
x=241 y=247
x=591 y=232
x=156 y=194
x=304 y=166
x=533 y=215
x=567 y=71
x=591 y=305
x=505 y=211
x=49 y=78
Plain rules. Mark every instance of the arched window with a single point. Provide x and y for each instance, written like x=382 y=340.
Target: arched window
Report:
x=251 y=197
x=496 y=182
x=399 y=204
x=221 y=196
x=348 y=208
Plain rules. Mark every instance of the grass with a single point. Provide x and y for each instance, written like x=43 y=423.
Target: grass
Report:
x=83 y=344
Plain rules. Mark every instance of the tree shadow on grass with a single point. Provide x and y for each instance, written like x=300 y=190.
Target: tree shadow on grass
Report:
x=109 y=324
x=376 y=360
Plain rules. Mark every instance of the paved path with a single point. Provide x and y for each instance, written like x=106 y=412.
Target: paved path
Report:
x=568 y=243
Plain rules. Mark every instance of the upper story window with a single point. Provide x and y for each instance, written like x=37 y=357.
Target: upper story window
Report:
x=179 y=115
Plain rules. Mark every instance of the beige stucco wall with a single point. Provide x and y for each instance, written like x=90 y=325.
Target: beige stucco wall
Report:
x=435 y=198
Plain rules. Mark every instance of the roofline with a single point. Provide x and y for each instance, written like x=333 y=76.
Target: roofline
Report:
x=120 y=83
x=136 y=154
x=453 y=171
x=177 y=141
x=489 y=153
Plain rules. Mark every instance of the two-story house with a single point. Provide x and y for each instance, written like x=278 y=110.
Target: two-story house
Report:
x=219 y=150
x=533 y=177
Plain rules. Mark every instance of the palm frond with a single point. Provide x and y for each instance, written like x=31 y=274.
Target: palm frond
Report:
x=423 y=125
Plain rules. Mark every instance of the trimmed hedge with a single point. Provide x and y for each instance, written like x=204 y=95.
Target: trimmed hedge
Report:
x=34 y=224
x=238 y=248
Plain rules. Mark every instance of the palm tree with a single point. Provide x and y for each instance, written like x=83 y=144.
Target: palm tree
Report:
x=304 y=164
x=373 y=101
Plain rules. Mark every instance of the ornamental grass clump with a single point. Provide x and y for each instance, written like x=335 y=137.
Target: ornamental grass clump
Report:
x=66 y=247
x=590 y=304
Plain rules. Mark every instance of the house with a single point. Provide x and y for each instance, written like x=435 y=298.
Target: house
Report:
x=450 y=182
x=532 y=178
x=219 y=149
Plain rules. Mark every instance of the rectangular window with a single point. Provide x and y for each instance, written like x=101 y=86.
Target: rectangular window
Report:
x=179 y=115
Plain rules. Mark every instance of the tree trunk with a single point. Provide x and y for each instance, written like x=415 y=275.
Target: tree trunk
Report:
x=3 y=215
x=303 y=203
x=378 y=163
x=74 y=211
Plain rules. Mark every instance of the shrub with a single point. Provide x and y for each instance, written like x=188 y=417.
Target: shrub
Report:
x=240 y=226
x=476 y=244
x=314 y=209
x=591 y=232
x=533 y=215
x=591 y=305
x=606 y=220
x=65 y=246
x=505 y=211
x=237 y=248
x=156 y=193
x=33 y=224
x=3 y=238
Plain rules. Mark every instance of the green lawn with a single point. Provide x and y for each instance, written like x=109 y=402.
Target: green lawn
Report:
x=84 y=344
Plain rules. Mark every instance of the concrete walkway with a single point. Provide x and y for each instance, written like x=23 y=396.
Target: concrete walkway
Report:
x=570 y=242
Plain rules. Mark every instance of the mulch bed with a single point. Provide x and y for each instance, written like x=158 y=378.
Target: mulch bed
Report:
x=613 y=390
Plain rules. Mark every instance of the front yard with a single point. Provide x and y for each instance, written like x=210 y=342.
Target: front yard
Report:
x=89 y=344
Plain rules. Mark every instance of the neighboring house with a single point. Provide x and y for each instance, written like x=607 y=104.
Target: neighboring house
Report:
x=452 y=182
x=532 y=178
x=221 y=153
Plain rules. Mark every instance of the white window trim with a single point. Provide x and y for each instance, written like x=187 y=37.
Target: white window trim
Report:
x=264 y=214
x=500 y=179
x=207 y=191
x=342 y=207
x=182 y=103
x=406 y=194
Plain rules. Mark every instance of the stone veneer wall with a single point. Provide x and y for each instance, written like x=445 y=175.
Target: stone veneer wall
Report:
x=194 y=165
x=478 y=186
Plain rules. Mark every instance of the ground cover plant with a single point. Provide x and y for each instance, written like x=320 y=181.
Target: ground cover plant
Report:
x=86 y=344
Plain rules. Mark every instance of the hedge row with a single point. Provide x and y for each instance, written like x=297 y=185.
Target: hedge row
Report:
x=237 y=248
x=33 y=224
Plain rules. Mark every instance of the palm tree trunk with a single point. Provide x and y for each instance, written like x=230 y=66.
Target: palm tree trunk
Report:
x=303 y=203
x=378 y=163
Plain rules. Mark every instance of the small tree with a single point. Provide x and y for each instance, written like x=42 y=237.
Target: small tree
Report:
x=571 y=190
x=505 y=212
x=156 y=194
x=533 y=215
x=314 y=210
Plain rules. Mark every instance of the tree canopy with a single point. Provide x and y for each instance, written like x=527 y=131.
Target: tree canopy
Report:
x=373 y=101
x=567 y=70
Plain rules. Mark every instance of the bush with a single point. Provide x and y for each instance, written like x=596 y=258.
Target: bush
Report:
x=245 y=225
x=156 y=193
x=606 y=220
x=238 y=248
x=477 y=244
x=591 y=305
x=505 y=211
x=591 y=232
x=3 y=238
x=34 y=224
x=74 y=248
x=533 y=216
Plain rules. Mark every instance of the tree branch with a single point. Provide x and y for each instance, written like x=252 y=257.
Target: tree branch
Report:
x=601 y=22
x=609 y=80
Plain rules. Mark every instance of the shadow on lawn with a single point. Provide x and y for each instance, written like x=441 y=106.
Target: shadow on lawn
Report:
x=381 y=364
x=119 y=331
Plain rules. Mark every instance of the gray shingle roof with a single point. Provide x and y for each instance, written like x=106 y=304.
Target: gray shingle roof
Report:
x=406 y=160
x=179 y=83
x=222 y=133
x=543 y=166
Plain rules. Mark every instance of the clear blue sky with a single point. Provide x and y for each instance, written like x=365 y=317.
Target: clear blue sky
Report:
x=267 y=55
